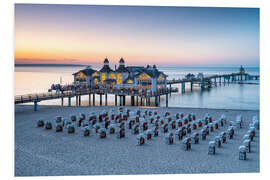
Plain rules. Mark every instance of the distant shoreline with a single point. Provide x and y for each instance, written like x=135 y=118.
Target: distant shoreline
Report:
x=162 y=66
x=32 y=65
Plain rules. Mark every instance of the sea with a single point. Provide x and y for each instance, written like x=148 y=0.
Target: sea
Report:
x=38 y=79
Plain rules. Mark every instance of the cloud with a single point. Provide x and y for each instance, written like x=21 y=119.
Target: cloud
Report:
x=47 y=61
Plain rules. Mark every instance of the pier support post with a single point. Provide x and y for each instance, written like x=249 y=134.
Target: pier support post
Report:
x=219 y=80
x=215 y=81
x=120 y=100
x=106 y=99
x=183 y=87
x=124 y=100
x=76 y=100
x=35 y=105
x=144 y=101
x=132 y=100
x=80 y=100
x=241 y=76
x=94 y=100
x=202 y=85
x=167 y=100
x=170 y=89
x=137 y=100
x=89 y=101
x=141 y=101
x=100 y=99
x=115 y=100
x=191 y=85
x=69 y=101
x=157 y=100
x=62 y=101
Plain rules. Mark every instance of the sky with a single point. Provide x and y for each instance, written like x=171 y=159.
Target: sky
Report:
x=169 y=36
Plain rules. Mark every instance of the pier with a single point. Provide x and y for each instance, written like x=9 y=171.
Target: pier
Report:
x=148 y=85
x=137 y=98
x=121 y=95
x=214 y=80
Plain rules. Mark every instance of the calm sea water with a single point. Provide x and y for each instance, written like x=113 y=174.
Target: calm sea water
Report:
x=229 y=96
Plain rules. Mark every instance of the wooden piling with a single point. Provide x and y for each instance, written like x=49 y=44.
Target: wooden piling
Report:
x=100 y=99
x=202 y=85
x=106 y=99
x=132 y=100
x=69 y=101
x=79 y=100
x=183 y=87
x=35 y=105
x=89 y=100
x=94 y=100
x=121 y=100
x=170 y=89
x=144 y=101
x=167 y=100
x=115 y=100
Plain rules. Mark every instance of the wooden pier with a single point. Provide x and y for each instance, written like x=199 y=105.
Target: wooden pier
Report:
x=208 y=82
x=137 y=98
x=144 y=96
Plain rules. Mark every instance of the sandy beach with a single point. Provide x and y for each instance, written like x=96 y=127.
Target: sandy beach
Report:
x=40 y=152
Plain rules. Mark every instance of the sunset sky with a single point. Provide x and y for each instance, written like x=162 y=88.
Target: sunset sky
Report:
x=86 y=34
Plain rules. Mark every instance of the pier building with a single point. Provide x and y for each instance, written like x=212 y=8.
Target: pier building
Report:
x=124 y=77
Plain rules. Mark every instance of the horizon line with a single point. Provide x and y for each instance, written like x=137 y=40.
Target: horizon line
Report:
x=168 y=66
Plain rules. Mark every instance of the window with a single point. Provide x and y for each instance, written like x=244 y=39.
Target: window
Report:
x=119 y=78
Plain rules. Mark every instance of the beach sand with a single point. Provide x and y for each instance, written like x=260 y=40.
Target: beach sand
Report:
x=40 y=152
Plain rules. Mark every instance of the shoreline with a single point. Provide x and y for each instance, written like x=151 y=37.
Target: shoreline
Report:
x=29 y=107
